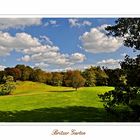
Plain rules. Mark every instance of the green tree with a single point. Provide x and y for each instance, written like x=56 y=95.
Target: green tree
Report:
x=116 y=77
x=8 y=86
x=2 y=74
x=90 y=77
x=101 y=76
x=25 y=72
x=129 y=30
x=131 y=67
x=57 y=79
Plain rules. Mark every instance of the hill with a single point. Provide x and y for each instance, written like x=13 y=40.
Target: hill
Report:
x=37 y=102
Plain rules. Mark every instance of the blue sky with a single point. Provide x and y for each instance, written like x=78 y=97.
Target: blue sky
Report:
x=59 y=43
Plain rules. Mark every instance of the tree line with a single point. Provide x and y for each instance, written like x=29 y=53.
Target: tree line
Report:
x=93 y=76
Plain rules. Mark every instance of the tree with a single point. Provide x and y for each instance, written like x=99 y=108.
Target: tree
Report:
x=90 y=77
x=128 y=29
x=101 y=76
x=2 y=74
x=15 y=72
x=25 y=72
x=57 y=79
x=131 y=67
x=38 y=75
x=48 y=77
x=74 y=79
x=116 y=77
x=8 y=86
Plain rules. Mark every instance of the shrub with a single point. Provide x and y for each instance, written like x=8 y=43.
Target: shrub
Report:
x=8 y=86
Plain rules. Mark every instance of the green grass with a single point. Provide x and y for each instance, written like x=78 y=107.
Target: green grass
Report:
x=37 y=102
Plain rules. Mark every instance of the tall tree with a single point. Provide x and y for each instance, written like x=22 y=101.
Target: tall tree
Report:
x=101 y=76
x=129 y=30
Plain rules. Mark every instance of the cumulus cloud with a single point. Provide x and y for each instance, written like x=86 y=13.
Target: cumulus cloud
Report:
x=19 y=42
x=2 y=67
x=6 y=23
x=35 y=51
x=76 y=23
x=96 y=41
x=41 y=49
x=110 y=63
x=25 y=58
x=77 y=57
x=58 y=59
x=41 y=65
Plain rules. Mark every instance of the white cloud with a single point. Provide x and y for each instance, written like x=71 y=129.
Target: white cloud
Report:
x=19 y=42
x=86 y=22
x=42 y=65
x=45 y=40
x=73 y=67
x=51 y=22
x=96 y=41
x=2 y=67
x=25 y=58
x=41 y=49
x=6 y=23
x=123 y=54
x=78 y=57
x=76 y=23
x=34 y=51
x=58 y=59
x=110 y=63
x=73 y=22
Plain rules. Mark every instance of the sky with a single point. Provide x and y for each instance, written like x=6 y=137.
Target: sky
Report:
x=57 y=44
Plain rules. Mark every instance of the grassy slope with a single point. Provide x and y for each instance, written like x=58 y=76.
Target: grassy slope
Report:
x=39 y=102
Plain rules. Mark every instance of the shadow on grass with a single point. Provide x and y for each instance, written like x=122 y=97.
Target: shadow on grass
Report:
x=54 y=114
x=62 y=90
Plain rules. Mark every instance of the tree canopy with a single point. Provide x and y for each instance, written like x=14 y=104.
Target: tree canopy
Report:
x=128 y=29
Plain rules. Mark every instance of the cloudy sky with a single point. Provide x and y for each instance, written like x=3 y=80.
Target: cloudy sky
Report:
x=59 y=43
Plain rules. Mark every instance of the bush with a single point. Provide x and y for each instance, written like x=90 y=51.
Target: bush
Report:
x=122 y=103
x=8 y=86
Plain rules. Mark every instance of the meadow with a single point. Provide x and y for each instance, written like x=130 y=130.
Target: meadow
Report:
x=38 y=102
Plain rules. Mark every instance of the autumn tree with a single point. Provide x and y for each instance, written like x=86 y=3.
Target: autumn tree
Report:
x=48 y=76
x=15 y=72
x=74 y=79
x=25 y=72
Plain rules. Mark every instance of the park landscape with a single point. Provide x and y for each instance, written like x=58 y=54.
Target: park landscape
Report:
x=42 y=82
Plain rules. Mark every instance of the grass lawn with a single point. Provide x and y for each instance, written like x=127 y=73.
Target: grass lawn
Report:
x=37 y=102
